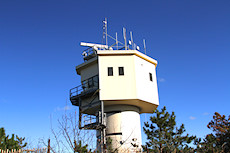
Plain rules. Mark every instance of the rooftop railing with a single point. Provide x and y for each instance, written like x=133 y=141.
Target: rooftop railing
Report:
x=88 y=54
x=91 y=52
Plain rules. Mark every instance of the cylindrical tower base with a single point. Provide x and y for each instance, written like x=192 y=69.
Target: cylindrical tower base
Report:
x=123 y=129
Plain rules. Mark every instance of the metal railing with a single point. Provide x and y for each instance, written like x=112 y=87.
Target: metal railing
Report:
x=88 y=52
x=85 y=86
x=88 y=119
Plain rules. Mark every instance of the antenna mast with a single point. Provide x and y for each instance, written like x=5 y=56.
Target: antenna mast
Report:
x=105 y=31
x=124 y=34
x=131 y=36
x=116 y=41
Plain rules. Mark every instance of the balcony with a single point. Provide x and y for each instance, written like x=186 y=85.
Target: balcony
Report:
x=86 y=89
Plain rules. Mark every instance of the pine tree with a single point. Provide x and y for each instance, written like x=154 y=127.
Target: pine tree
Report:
x=163 y=136
x=10 y=143
x=219 y=140
x=79 y=148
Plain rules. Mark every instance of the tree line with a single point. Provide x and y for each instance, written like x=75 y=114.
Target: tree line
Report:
x=13 y=142
x=163 y=136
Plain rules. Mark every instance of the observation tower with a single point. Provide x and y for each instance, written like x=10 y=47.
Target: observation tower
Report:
x=118 y=83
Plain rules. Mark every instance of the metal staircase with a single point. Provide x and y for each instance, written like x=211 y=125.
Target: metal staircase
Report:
x=89 y=89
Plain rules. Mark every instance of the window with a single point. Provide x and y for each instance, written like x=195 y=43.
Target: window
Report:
x=110 y=71
x=150 y=76
x=95 y=80
x=121 y=70
x=90 y=82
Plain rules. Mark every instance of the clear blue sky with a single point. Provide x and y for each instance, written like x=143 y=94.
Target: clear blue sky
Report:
x=39 y=49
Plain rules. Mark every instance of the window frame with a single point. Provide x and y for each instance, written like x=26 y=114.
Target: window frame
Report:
x=110 y=71
x=121 y=71
x=150 y=76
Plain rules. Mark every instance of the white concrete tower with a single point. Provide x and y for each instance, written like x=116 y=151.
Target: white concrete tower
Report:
x=120 y=83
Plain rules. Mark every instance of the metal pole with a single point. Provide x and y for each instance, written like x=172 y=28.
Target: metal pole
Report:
x=144 y=45
x=106 y=38
x=124 y=34
x=131 y=35
x=102 y=128
x=80 y=114
x=116 y=41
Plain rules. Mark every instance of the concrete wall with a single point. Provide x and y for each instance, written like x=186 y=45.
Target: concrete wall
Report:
x=123 y=127
x=135 y=87
x=131 y=130
x=117 y=87
x=89 y=71
x=146 y=90
x=135 y=84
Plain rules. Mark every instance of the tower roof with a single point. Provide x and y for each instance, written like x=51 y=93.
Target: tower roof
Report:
x=126 y=52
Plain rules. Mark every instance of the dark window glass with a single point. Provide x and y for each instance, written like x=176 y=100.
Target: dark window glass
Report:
x=110 y=71
x=95 y=81
x=121 y=70
x=90 y=82
x=150 y=76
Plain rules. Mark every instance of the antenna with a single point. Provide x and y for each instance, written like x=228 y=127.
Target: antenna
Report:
x=131 y=36
x=124 y=34
x=116 y=41
x=105 y=31
x=144 y=45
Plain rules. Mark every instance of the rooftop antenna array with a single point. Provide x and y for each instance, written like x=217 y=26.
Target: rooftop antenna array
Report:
x=117 y=44
x=125 y=46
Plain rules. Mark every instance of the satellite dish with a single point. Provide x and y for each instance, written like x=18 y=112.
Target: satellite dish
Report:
x=138 y=48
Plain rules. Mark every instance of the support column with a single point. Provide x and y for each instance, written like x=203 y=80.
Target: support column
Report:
x=123 y=128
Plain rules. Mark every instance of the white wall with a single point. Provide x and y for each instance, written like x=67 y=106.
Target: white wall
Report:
x=146 y=90
x=131 y=129
x=117 y=87
x=126 y=122
x=135 y=87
